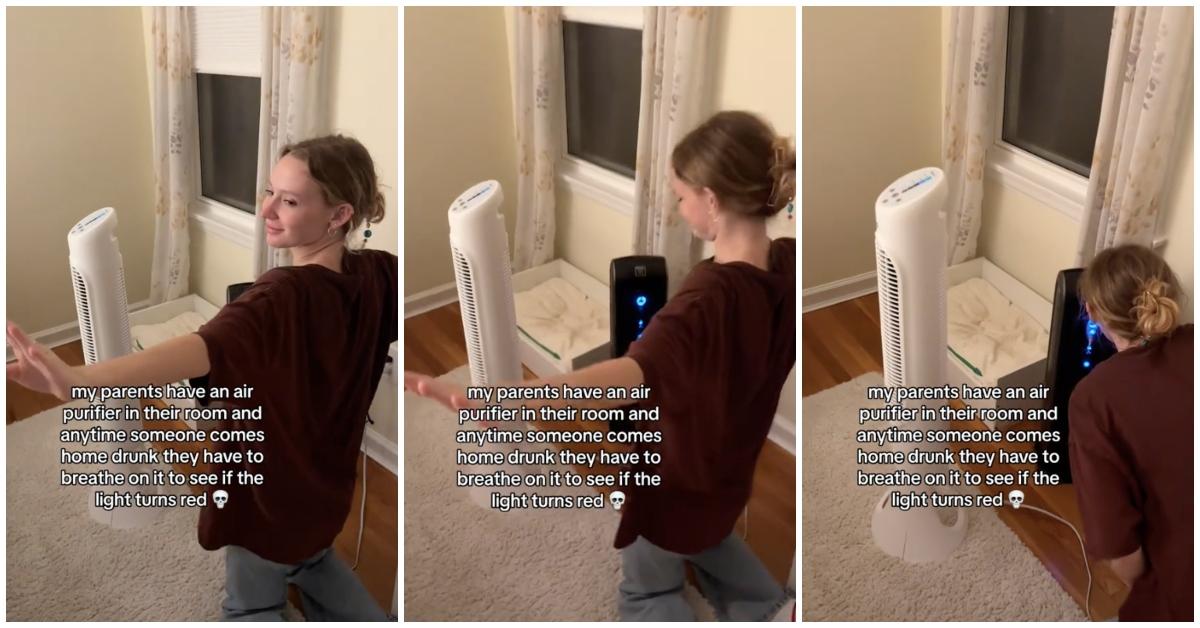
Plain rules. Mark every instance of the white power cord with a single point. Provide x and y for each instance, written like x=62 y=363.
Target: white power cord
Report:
x=1088 y=604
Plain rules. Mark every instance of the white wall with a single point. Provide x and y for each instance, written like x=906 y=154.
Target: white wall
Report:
x=78 y=140
x=458 y=128
x=365 y=100
x=872 y=112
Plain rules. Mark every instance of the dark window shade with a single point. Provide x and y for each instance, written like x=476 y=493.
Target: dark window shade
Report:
x=1054 y=81
x=228 y=110
x=603 y=73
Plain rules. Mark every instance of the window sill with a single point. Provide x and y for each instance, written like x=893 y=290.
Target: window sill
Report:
x=223 y=221
x=1050 y=184
x=603 y=186
x=1047 y=183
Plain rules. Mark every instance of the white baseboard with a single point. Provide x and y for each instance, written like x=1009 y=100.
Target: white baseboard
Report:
x=380 y=449
x=834 y=292
x=783 y=433
x=67 y=332
x=430 y=299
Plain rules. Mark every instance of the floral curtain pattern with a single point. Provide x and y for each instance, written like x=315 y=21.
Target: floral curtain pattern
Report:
x=173 y=108
x=1147 y=76
x=675 y=66
x=294 y=105
x=967 y=124
x=539 y=112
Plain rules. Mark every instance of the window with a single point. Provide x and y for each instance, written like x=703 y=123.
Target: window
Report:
x=226 y=52
x=1054 y=81
x=603 y=73
x=1053 y=62
x=227 y=107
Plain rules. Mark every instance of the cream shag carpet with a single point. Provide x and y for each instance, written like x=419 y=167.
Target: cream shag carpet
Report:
x=63 y=566
x=463 y=562
x=992 y=576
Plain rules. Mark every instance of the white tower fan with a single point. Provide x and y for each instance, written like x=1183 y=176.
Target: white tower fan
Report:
x=910 y=256
x=483 y=272
x=102 y=306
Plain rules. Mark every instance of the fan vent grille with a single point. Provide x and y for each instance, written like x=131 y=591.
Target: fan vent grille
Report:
x=126 y=335
x=889 y=319
x=470 y=315
x=83 y=310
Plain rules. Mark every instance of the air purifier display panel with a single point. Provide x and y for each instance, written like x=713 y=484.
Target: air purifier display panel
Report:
x=637 y=290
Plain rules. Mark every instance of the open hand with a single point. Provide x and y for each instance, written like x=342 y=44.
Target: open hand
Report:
x=39 y=368
x=450 y=395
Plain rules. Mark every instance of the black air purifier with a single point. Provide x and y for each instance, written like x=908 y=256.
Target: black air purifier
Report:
x=1076 y=347
x=637 y=289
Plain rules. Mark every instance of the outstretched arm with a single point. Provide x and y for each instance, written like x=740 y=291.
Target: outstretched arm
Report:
x=615 y=373
x=40 y=369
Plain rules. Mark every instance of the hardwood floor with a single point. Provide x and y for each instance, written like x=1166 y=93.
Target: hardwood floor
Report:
x=842 y=342
x=378 y=556
x=434 y=345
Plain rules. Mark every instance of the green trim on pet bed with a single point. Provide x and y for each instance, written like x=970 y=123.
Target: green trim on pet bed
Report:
x=540 y=345
x=974 y=370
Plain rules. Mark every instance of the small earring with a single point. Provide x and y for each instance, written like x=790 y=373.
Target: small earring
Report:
x=367 y=233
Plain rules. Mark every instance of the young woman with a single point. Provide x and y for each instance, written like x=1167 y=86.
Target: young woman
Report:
x=1131 y=433
x=311 y=340
x=715 y=359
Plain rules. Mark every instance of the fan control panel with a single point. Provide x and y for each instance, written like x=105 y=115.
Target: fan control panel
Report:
x=90 y=220
x=909 y=187
x=475 y=195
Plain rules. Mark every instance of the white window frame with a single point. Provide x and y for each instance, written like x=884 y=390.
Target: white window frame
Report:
x=211 y=216
x=1018 y=169
x=612 y=189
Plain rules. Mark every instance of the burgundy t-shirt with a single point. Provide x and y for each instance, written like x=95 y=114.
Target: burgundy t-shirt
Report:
x=715 y=358
x=1131 y=460
x=312 y=343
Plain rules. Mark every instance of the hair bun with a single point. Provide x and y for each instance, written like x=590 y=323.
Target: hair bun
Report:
x=783 y=173
x=1153 y=310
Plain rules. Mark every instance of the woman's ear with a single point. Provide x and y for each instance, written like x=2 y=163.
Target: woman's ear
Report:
x=341 y=216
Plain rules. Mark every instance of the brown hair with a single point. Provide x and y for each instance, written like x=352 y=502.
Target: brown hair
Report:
x=737 y=155
x=1132 y=292
x=345 y=172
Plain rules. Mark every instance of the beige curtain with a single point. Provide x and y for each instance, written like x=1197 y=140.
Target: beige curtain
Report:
x=294 y=104
x=1149 y=72
x=538 y=93
x=173 y=105
x=675 y=70
x=967 y=124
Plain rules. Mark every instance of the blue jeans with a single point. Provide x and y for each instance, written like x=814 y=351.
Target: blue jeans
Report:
x=732 y=578
x=256 y=588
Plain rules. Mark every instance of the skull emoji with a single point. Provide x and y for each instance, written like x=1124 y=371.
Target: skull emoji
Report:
x=1015 y=497
x=220 y=497
x=617 y=498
